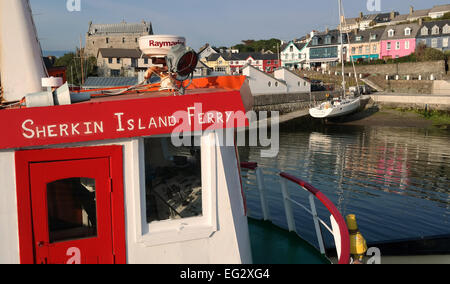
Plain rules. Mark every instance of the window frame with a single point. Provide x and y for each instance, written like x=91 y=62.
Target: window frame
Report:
x=194 y=228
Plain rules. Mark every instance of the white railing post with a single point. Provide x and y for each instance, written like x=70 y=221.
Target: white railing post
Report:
x=288 y=206
x=262 y=194
x=336 y=235
x=316 y=223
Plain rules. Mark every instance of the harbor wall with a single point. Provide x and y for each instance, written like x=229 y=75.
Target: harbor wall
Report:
x=410 y=101
x=437 y=68
x=286 y=103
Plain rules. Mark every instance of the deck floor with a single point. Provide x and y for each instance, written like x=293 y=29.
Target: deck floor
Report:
x=273 y=245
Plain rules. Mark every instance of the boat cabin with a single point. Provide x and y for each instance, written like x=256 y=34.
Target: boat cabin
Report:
x=136 y=178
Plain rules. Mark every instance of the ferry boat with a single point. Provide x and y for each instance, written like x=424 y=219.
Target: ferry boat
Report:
x=94 y=177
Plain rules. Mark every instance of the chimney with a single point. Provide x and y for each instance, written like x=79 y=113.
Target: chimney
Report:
x=411 y=10
x=327 y=30
x=361 y=15
x=392 y=15
x=420 y=21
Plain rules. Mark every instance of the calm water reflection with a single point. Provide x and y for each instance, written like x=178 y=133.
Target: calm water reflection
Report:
x=394 y=179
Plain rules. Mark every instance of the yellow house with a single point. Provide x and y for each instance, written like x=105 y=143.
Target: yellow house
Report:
x=218 y=63
x=366 y=44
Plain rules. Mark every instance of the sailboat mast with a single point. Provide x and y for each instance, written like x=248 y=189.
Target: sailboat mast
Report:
x=342 y=45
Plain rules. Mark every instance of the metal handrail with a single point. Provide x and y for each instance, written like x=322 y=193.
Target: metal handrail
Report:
x=343 y=229
x=341 y=237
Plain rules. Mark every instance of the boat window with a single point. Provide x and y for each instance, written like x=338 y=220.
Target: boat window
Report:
x=72 y=209
x=173 y=180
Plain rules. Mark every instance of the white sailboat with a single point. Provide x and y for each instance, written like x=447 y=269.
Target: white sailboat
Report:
x=344 y=105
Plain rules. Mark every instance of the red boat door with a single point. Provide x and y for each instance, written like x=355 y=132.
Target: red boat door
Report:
x=72 y=217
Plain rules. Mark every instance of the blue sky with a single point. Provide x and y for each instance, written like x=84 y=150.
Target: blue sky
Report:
x=221 y=23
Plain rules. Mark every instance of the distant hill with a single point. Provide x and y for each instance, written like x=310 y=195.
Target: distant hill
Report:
x=57 y=53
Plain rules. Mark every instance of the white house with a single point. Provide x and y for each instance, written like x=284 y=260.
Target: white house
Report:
x=206 y=51
x=439 y=11
x=294 y=55
x=295 y=83
x=262 y=83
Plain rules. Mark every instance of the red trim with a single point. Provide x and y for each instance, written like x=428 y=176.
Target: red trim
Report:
x=23 y=161
x=249 y=166
x=345 y=238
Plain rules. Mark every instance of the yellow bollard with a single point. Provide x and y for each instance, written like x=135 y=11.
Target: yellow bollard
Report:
x=358 y=245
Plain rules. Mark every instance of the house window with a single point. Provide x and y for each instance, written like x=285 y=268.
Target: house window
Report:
x=110 y=60
x=374 y=49
x=407 y=31
x=435 y=30
x=424 y=31
x=446 y=29
x=145 y=61
x=173 y=180
x=407 y=45
x=391 y=33
x=327 y=40
x=445 y=42
x=358 y=38
x=118 y=60
x=269 y=84
x=107 y=40
x=397 y=45
x=434 y=43
x=315 y=41
x=389 y=46
x=367 y=48
x=291 y=49
x=123 y=40
x=353 y=50
x=373 y=37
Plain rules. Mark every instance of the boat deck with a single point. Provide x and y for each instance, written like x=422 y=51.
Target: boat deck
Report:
x=273 y=245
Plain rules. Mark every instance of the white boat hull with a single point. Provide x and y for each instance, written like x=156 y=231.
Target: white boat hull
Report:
x=329 y=110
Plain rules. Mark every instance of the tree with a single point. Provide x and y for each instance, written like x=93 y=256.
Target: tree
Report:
x=72 y=62
x=258 y=46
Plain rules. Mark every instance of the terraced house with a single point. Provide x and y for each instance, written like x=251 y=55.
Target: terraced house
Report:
x=294 y=55
x=435 y=34
x=399 y=41
x=325 y=49
x=366 y=45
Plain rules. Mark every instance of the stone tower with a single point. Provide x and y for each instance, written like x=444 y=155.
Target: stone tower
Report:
x=122 y=35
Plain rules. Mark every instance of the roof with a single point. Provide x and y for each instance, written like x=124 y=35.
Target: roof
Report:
x=419 y=13
x=440 y=8
x=123 y=27
x=366 y=35
x=299 y=45
x=441 y=24
x=120 y=53
x=104 y=82
x=242 y=56
x=333 y=35
x=399 y=31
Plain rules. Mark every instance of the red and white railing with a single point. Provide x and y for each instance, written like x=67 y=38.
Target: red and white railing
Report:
x=338 y=225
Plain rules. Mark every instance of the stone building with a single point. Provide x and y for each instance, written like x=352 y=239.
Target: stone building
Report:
x=123 y=35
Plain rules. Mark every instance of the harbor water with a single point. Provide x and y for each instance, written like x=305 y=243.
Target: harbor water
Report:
x=394 y=179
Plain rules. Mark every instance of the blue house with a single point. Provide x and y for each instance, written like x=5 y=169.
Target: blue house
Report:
x=435 y=34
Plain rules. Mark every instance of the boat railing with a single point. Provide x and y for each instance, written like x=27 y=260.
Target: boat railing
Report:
x=338 y=227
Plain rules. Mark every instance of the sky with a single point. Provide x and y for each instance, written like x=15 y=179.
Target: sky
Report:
x=220 y=23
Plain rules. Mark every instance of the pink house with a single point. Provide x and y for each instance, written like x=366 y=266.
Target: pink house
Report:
x=398 y=41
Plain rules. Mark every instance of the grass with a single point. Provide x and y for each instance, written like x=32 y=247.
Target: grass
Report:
x=439 y=118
